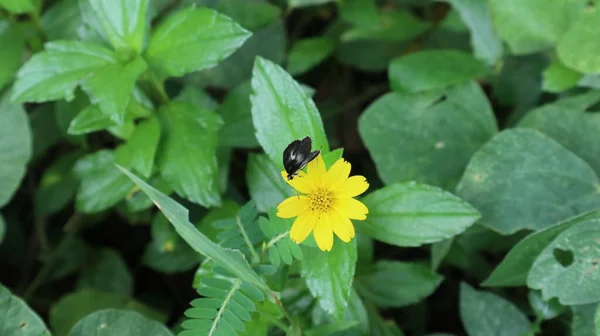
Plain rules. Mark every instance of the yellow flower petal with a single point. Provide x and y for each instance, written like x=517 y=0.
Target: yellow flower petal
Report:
x=338 y=174
x=353 y=186
x=342 y=226
x=301 y=182
x=351 y=208
x=293 y=206
x=302 y=226
x=316 y=169
x=323 y=233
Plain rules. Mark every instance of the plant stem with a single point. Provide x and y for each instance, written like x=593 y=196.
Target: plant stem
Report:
x=282 y=308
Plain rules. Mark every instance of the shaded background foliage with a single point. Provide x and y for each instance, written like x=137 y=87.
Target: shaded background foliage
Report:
x=475 y=122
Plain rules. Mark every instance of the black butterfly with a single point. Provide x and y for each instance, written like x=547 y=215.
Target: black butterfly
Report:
x=297 y=155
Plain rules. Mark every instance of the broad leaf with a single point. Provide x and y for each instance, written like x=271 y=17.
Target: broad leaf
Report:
x=476 y=15
x=112 y=321
x=575 y=49
x=20 y=6
x=139 y=151
x=187 y=158
x=582 y=323
x=434 y=69
x=237 y=130
x=308 y=53
x=15 y=147
x=17 y=319
x=529 y=26
x=572 y=257
x=412 y=214
x=559 y=184
x=265 y=185
x=62 y=20
x=192 y=40
x=231 y=260
x=106 y=271
x=558 y=77
x=12 y=40
x=282 y=112
x=329 y=275
x=381 y=327
x=397 y=284
x=443 y=129
x=483 y=314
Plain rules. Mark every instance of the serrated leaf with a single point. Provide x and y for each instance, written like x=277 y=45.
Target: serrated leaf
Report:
x=397 y=284
x=575 y=49
x=485 y=314
x=282 y=112
x=265 y=185
x=237 y=130
x=123 y=22
x=572 y=257
x=17 y=318
x=113 y=321
x=558 y=77
x=435 y=69
x=307 y=53
x=559 y=184
x=231 y=260
x=530 y=26
x=106 y=271
x=55 y=73
x=395 y=210
x=187 y=158
x=12 y=40
x=139 y=151
x=192 y=40
x=444 y=129
x=329 y=275
x=476 y=15
x=15 y=147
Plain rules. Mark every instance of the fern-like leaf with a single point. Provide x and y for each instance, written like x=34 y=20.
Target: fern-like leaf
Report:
x=241 y=232
x=280 y=246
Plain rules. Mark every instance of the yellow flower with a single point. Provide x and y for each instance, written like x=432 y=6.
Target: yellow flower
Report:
x=328 y=203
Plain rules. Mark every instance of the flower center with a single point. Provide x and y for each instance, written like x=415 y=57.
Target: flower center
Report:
x=320 y=200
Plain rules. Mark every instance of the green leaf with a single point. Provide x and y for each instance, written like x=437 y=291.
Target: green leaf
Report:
x=139 y=201
x=62 y=20
x=58 y=185
x=558 y=184
x=20 y=6
x=483 y=314
x=282 y=112
x=265 y=185
x=55 y=72
x=167 y=252
x=102 y=186
x=187 y=159
x=575 y=49
x=530 y=26
x=476 y=15
x=394 y=26
x=359 y=12
x=434 y=69
x=139 y=151
x=443 y=129
x=411 y=214
x=571 y=256
x=231 y=260
x=582 y=323
x=15 y=147
x=279 y=246
x=570 y=126
x=307 y=53
x=17 y=319
x=106 y=271
x=357 y=311
x=44 y=129
x=597 y=321
x=329 y=275
x=12 y=40
x=544 y=309
x=331 y=328
x=237 y=130
x=513 y=270
x=123 y=22
x=397 y=284
x=304 y=3
x=241 y=232
x=381 y=327
x=252 y=15
x=192 y=40
x=112 y=322
x=369 y=55
x=439 y=251
x=558 y=77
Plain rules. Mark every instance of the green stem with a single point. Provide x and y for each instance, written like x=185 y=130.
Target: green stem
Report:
x=282 y=308
x=255 y=257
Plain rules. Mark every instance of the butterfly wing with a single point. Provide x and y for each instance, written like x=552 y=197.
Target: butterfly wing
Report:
x=290 y=156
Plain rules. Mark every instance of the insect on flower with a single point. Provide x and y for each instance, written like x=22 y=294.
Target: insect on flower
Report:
x=328 y=203
x=297 y=155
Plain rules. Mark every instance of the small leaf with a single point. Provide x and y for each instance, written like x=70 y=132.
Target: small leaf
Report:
x=308 y=53
x=106 y=271
x=15 y=147
x=112 y=321
x=393 y=26
x=359 y=12
x=575 y=49
x=237 y=130
x=529 y=26
x=231 y=260
x=485 y=314
x=12 y=40
x=192 y=40
x=435 y=69
x=18 y=319
x=558 y=77
x=329 y=275
x=412 y=214
x=559 y=184
x=139 y=151
x=397 y=284
x=282 y=112
x=265 y=185
x=187 y=158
